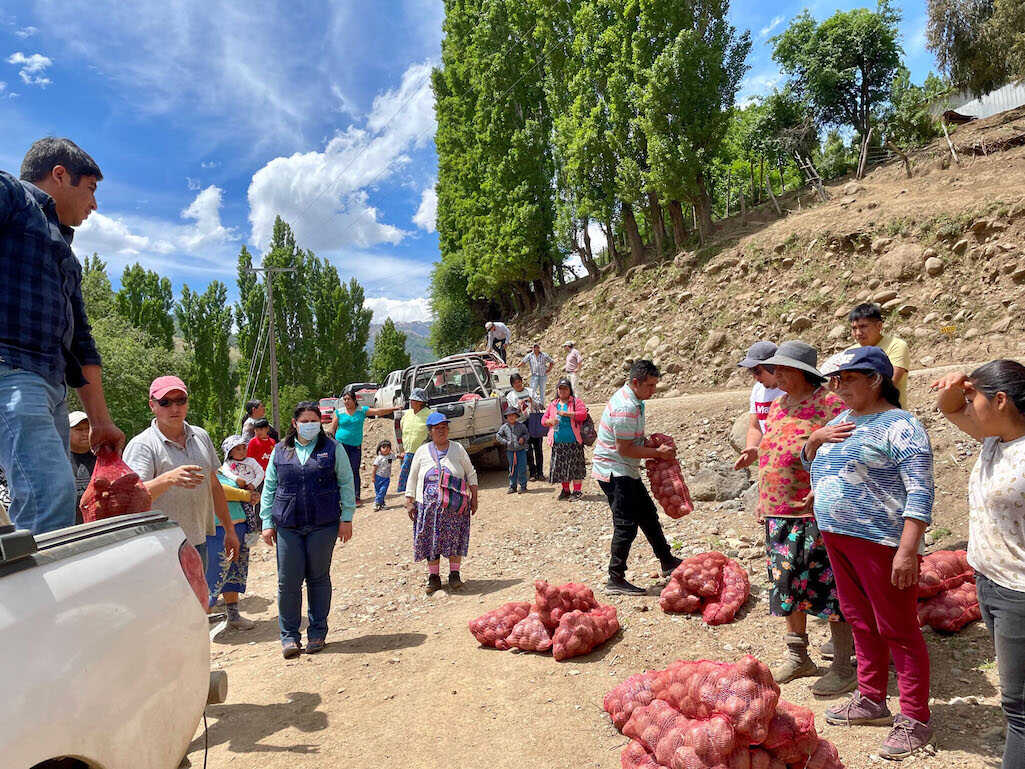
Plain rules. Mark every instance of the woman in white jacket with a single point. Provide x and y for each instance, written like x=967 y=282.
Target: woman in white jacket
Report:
x=437 y=532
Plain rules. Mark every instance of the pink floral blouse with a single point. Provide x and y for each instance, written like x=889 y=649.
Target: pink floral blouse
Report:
x=782 y=482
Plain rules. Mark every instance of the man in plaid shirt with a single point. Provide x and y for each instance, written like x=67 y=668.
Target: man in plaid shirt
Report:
x=46 y=344
x=616 y=466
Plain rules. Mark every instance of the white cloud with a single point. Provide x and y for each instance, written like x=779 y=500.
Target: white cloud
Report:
x=757 y=85
x=109 y=236
x=33 y=68
x=3 y=86
x=400 y=310
x=207 y=231
x=371 y=268
x=192 y=184
x=26 y=32
x=323 y=195
x=426 y=215
x=769 y=28
x=209 y=164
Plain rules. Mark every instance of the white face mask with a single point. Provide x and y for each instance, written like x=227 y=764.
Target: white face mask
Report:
x=308 y=431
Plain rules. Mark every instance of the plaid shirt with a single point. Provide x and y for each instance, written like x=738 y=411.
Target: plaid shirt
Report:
x=43 y=327
x=622 y=420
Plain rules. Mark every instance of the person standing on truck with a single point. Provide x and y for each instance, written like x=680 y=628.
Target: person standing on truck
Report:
x=347 y=426
x=177 y=463
x=46 y=344
x=83 y=461
x=308 y=500
x=540 y=363
x=413 y=429
x=498 y=338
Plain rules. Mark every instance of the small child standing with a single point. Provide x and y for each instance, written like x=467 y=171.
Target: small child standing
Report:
x=244 y=471
x=513 y=436
x=382 y=473
x=261 y=445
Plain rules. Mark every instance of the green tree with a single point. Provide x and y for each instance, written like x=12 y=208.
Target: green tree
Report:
x=250 y=324
x=457 y=324
x=957 y=34
x=908 y=122
x=389 y=352
x=97 y=292
x=147 y=302
x=844 y=66
x=834 y=159
x=205 y=321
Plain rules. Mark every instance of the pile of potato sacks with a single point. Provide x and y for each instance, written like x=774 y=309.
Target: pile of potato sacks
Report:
x=947 y=600
x=714 y=715
x=567 y=619
x=711 y=583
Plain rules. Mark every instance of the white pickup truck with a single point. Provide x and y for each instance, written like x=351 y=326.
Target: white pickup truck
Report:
x=104 y=646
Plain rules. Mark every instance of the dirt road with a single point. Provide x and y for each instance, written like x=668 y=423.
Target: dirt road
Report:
x=402 y=683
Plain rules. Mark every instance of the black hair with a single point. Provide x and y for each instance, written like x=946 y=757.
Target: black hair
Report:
x=382 y=444
x=642 y=369
x=50 y=151
x=1002 y=376
x=865 y=311
x=517 y=377
x=810 y=378
x=300 y=409
x=250 y=407
x=261 y=422
x=351 y=393
x=565 y=383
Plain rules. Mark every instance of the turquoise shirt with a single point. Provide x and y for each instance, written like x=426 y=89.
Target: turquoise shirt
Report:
x=350 y=426
x=238 y=515
x=343 y=472
x=564 y=430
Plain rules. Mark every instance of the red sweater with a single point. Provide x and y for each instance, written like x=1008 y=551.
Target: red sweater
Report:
x=260 y=449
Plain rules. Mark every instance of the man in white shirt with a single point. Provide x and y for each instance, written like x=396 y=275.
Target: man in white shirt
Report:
x=574 y=360
x=763 y=393
x=498 y=337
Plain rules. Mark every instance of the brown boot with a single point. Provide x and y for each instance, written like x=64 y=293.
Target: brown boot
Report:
x=797 y=663
x=842 y=676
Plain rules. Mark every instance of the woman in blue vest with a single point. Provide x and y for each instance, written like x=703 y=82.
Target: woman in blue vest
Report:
x=308 y=500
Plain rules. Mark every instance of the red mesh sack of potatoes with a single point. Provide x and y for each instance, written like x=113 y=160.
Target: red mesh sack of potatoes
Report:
x=552 y=602
x=470 y=397
x=825 y=756
x=666 y=479
x=734 y=592
x=744 y=692
x=633 y=693
x=943 y=570
x=114 y=489
x=492 y=629
x=674 y=739
x=634 y=756
x=580 y=632
x=530 y=634
x=792 y=737
x=952 y=609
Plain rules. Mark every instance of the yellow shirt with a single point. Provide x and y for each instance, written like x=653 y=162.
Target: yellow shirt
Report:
x=897 y=351
x=414 y=429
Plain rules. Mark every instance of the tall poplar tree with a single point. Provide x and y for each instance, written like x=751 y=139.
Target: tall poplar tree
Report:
x=146 y=300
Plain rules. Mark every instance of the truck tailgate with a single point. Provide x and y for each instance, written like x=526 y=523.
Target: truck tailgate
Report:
x=105 y=648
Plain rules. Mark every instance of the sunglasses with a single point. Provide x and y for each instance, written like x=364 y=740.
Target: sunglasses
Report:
x=165 y=402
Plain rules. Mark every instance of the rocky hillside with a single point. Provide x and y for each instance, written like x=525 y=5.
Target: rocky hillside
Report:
x=942 y=251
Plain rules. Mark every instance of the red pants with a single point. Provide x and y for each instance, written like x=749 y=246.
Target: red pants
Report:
x=884 y=620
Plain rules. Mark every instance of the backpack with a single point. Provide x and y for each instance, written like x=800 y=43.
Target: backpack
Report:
x=588 y=433
x=454 y=492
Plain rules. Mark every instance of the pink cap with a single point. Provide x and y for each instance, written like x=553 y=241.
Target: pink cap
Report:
x=162 y=385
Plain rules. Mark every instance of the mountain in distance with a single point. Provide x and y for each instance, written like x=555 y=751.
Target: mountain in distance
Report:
x=418 y=344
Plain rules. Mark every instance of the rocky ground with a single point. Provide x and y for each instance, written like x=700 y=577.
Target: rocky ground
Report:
x=402 y=683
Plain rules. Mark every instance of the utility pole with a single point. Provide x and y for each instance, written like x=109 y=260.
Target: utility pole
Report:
x=271 y=339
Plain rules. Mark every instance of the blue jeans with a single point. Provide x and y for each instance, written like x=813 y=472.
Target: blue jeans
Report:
x=407 y=463
x=381 y=484
x=355 y=454
x=34 y=451
x=517 y=468
x=537 y=386
x=304 y=554
x=1003 y=611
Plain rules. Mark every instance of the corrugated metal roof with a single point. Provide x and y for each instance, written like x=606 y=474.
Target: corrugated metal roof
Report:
x=1010 y=96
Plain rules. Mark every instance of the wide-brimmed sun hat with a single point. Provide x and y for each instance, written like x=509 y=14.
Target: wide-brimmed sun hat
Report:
x=859 y=359
x=758 y=353
x=795 y=354
x=231 y=442
x=418 y=394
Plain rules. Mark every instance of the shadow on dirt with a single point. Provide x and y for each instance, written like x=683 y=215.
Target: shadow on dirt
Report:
x=375 y=644
x=264 y=630
x=244 y=726
x=486 y=586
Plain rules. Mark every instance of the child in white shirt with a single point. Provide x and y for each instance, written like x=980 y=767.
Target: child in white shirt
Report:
x=244 y=471
x=382 y=473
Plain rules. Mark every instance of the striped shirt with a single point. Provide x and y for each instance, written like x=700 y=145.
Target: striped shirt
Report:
x=866 y=485
x=622 y=420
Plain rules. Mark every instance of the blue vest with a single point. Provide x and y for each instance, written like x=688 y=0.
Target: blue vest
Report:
x=307 y=495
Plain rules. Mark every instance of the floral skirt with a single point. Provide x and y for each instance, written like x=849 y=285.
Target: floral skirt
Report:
x=567 y=463
x=437 y=532
x=799 y=570
x=222 y=575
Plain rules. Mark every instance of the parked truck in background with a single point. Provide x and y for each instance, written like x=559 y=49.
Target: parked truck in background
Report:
x=104 y=646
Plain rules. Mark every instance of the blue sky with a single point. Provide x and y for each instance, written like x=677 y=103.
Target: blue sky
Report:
x=208 y=118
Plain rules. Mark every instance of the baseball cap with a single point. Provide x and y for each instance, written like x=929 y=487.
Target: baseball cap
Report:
x=567 y=343
x=75 y=417
x=162 y=385
x=436 y=419
x=510 y=410
x=418 y=394
x=758 y=353
x=860 y=359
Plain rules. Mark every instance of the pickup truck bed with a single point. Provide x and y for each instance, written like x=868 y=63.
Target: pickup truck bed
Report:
x=105 y=647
